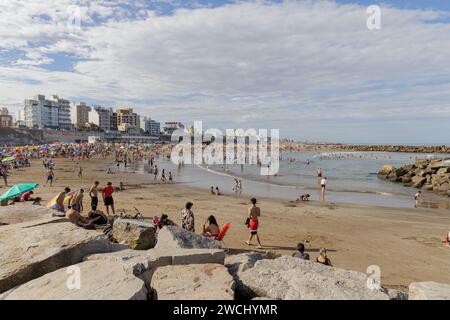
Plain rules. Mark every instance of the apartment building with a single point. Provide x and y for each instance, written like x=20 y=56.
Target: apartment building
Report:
x=42 y=113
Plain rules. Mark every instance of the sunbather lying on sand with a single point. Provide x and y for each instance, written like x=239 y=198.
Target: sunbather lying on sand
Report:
x=76 y=218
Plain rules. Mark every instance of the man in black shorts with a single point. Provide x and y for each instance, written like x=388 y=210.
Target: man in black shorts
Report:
x=93 y=193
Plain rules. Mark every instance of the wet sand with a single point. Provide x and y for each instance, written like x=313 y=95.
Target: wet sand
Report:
x=404 y=243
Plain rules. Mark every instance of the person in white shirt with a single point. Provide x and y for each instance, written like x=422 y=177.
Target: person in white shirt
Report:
x=323 y=184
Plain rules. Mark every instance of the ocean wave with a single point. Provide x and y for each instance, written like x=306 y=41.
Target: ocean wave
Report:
x=250 y=179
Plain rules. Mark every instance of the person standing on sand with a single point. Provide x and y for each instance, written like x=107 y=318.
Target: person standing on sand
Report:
x=323 y=185
x=155 y=172
x=170 y=177
x=50 y=176
x=187 y=218
x=107 y=198
x=80 y=172
x=417 y=198
x=4 y=174
x=254 y=213
x=93 y=193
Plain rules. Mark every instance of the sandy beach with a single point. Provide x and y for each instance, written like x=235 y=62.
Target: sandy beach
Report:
x=404 y=243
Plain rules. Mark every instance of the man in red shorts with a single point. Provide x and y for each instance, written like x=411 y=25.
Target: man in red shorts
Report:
x=254 y=213
x=107 y=198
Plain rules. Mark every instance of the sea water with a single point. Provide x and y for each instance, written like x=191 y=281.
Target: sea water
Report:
x=352 y=178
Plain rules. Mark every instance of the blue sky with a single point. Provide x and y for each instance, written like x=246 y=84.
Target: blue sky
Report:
x=310 y=68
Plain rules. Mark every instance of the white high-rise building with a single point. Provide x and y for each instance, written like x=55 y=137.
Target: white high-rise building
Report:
x=47 y=113
x=101 y=117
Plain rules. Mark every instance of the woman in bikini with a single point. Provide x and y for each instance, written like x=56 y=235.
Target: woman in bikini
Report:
x=212 y=230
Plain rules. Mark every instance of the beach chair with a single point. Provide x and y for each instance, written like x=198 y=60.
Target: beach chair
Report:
x=222 y=233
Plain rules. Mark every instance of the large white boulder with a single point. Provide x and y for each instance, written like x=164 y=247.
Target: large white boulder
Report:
x=89 y=280
x=237 y=264
x=290 y=278
x=192 y=282
x=142 y=263
x=429 y=291
x=172 y=237
x=31 y=249
x=23 y=212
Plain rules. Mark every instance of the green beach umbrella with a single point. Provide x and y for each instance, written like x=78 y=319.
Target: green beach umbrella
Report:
x=8 y=159
x=17 y=190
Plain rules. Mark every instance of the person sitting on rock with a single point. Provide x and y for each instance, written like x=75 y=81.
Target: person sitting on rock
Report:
x=163 y=221
x=301 y=252
x=323 y=258
x=212 y=230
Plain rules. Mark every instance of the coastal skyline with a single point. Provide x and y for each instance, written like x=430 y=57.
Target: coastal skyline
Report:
x=312 y=69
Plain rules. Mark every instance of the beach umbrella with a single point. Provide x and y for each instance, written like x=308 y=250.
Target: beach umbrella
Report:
x=17 y=190
x=8 y=159
x=66 y=198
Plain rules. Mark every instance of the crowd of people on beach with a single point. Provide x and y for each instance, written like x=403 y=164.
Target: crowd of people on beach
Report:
x=128 y=157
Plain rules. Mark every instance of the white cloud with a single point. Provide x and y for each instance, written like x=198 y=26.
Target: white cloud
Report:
x=250 y=61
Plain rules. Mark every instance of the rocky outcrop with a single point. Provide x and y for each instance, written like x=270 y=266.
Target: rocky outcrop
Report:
x=395 y=294
x=139 y=235
x=89 y=280
x=144 y=260
x=394 y=148
x=386 y=170
x=171 y=237
x=290 y=278
x=428 y=174
x=429 y=291
x=192 y=282
x=297 y=146
x=237 y=264
x=23 y=213
x=31 y=249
